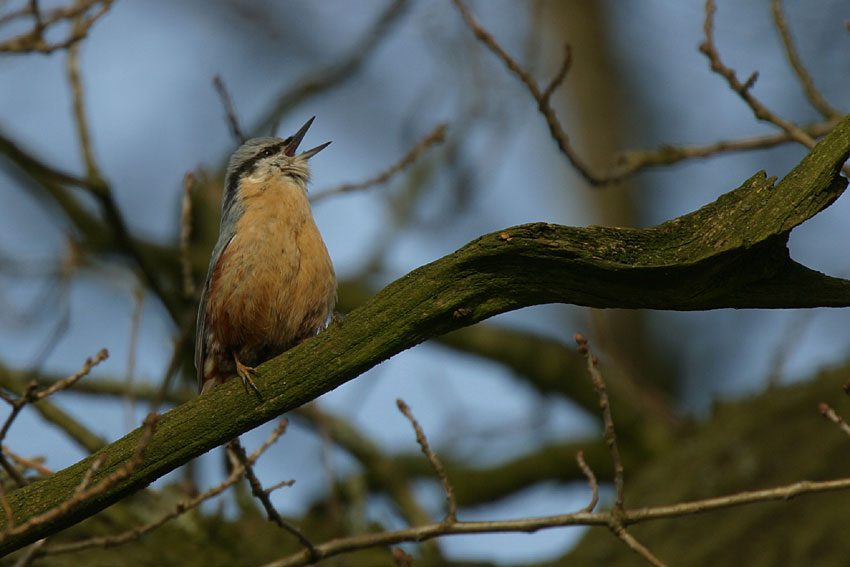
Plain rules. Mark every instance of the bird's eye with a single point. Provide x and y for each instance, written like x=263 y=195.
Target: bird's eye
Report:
x=268 y=152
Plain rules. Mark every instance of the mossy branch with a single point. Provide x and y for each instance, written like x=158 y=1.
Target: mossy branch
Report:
x=730 y=253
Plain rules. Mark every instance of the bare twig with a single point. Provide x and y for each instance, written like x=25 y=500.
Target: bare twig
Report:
x=132 y=348
x=428 y=531
x=86 y=493
x=33 y=40
x=186 y=222
x=812 y=93
x=591 y=479
x=559 y=76
x=761 y=112
x=120 y=238
x=608 y=421
x=26 y=559
x=186 y=333
x=17 y=406
x=95 y=466
x=632 y=161
x=180 y=508
x=541 y=97
x=334 y=74
x=51 y=413
x=34 y=464
x=435 y=137
x=402 y=559
x=78 y=104
x=263 y=496
x=636 y=546
x=832 y=416
x=280 y=484
x=229 y=109
x=70 y=380
x=321 y=423
x=744 y=89
x=451 y=515
x=616 y=521
x=7 y=509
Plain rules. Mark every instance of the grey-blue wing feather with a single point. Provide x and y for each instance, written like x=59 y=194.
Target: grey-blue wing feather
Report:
x=231 y=210
x=200 y=351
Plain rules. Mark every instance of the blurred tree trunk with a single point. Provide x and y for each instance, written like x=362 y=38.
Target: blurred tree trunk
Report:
x=592 y=96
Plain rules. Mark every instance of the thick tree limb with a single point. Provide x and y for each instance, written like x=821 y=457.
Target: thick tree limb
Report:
x=730 y=253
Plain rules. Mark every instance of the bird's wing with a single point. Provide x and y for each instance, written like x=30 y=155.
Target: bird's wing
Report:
x=221 y=245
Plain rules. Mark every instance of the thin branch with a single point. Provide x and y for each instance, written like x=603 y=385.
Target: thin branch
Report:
x=229 y=109
x=95 y=466
x=635 y=545
x=529 y=525
x=832 y=416
x=186 y=225
x=335 y=74
x=632 y=161
x=10 y=516
x=180 y=508
x=435 y=137
x=786 y=492
x=185 y=335
x=33 y=464
x=51 y=413
x=559 y=76
x=78 y=105
x=280 y=484
x=41 y=171
x=112 y=234
x=263 y=496
x=86 y=493
x=607 y=419
x=402 y=559
x=322 y=426
x=34 y=40
x=760 y=111
x=71 y=380
x=812 y=93
x=591 y=479
x=26 y=559
x=17 y=406
x=616 y=521
x=542 y=98
x=451 y=515
x=132 y=348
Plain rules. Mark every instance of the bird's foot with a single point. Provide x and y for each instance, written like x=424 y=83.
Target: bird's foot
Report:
x=247 y=373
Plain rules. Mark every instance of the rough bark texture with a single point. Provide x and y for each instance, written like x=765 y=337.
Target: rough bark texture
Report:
x=730 y=253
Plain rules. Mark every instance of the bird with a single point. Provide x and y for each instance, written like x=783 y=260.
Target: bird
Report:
x=271 y=282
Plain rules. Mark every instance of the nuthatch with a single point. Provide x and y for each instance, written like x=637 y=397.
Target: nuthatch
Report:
x=270 y=283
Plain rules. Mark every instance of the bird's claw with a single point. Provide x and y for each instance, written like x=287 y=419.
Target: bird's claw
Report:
x=246 y=373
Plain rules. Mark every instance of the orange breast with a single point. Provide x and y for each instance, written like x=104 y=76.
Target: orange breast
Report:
x=274 y=284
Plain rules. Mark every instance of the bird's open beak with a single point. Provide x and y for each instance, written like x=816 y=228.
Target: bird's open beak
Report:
x=292 y=145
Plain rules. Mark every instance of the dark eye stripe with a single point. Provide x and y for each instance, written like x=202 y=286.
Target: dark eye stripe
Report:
x=248 y=165
x=245 y=168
